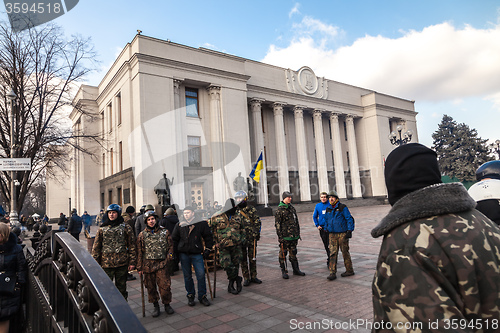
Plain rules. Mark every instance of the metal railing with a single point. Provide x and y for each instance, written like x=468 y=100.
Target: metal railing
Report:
x=69 y=292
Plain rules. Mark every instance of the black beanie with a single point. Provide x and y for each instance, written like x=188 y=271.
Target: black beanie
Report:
x=409 y=168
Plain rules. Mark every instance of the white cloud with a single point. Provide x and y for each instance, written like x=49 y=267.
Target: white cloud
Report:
x=438 y=63
x=294 y=10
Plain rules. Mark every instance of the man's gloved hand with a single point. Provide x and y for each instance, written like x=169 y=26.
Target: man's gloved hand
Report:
x=206 y=254
x=348 y=234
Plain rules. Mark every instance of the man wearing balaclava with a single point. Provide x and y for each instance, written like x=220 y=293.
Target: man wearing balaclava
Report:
x=228 y=230
x=439 y=262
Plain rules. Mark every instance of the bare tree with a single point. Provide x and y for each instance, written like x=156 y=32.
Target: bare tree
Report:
x=44 y=69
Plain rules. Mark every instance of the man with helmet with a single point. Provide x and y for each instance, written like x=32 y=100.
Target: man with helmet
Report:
x=340 y=224
x=140 y=224
x=486 y=192
x=154 y=252
x=114 y=247
x=227 y=228
x=252 y=225
x=288 y=231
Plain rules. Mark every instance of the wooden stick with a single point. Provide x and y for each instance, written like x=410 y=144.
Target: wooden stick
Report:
x=142 y=296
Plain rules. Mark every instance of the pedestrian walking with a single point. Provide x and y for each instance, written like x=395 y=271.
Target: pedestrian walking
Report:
x=169 y=221
x=114 y=248
x=140 y=224
x=75 y=225
x=251 y=227
x=319 y=222
x=227 y=228
x=99 y=218
x=87 y=221
x=62 y=222
x=288 y=231
x=439 y=259
x=339 y=225
x=154 y=251
x=188 y=237
x=13 y=269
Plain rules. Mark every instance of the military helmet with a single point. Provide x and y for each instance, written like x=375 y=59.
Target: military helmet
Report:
x=150 y=213
x=114 y=207
x=241 y=194
x=489 y=169
x=332 y=193
x=149 y=207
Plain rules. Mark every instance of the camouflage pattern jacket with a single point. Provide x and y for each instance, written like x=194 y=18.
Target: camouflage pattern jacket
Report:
x=227 y=231
x=160 y=243
x=439 y=261
x=286 y=222
x=251 y=223
x=117 y=252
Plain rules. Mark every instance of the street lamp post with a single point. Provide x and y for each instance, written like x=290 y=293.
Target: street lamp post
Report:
x=403 y=138
x=13 y=202
x=495 y=148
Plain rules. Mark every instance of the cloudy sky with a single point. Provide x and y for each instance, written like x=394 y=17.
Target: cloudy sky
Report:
x=444 y=54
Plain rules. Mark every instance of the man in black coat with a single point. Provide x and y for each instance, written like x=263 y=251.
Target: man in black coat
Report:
x=75 y=225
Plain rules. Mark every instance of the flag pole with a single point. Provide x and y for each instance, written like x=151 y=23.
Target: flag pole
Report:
x=264 y=177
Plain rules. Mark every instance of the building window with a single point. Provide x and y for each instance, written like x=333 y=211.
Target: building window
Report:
x=120 y=203
x=120 y=156
x=111 y=159
x=192 y=102
x=103 y=165
x=110 y=115
x=194 y=151
x=110 y=197
x=102 y=123
x=119 y=108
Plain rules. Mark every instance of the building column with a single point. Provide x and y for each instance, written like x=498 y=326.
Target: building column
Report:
x=217 y=153
x=279 y=127
x=338 y=161
x=320 y=151
x=353 y=158
x=177 y=189
x=300 y=136
x=258 y=133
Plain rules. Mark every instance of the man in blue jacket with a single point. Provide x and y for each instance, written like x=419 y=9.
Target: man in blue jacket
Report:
x=340 y=224
x=319 y=221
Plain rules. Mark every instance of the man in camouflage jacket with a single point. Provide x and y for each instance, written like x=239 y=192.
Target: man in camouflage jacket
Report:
x=252 y=224
x=288 y=231
x=439 y=263
x=114 y=248
x=154 y=251
x=227 y=228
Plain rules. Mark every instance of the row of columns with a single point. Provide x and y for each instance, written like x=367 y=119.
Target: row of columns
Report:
x=284 y=184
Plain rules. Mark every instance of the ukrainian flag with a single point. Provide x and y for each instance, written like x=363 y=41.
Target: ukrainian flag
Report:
x=255 y=174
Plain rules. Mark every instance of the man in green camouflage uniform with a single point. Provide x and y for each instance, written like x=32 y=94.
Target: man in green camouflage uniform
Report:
x=227 y=228
x=114 y=248
x=154 y=252
x=439 y=263
x=252 y=224
x=288 y=231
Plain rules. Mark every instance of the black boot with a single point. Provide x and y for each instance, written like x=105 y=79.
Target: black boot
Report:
x=168 y=309
x=191 y=300
x=156 y=311
x=284 y=273
x=239 y=287
x=296 y=270
x=246 y=283
x=230 y=287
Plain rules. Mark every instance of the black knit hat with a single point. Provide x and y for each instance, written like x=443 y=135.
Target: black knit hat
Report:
x=286 y=194
x=409 y=168
x=130 y=210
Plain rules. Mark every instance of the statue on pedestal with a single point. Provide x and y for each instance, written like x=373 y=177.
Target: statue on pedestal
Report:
x=162 y=190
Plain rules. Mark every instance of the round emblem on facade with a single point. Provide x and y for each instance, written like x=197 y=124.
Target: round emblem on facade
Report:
x=307 y=80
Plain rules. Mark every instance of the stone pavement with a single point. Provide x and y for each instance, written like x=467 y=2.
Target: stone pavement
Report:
x=309 y=303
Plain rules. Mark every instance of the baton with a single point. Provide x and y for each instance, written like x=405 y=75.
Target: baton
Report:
x=215 y=269
x=284 y=256
x=254 y=248
x=208 y=279
x=142 y=296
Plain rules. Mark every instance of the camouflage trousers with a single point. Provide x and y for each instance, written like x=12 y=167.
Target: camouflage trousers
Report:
x=248 y=254
x=230 y=259
x=160 y=278
x=337 y=239
x=288 y=247
x=119 y=274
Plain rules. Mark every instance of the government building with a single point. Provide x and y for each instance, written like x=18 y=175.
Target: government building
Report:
x=198 y=119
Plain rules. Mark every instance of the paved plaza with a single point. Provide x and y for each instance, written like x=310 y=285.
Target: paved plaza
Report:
x=278 y=305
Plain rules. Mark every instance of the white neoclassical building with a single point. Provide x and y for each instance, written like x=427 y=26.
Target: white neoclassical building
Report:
x=202 y=117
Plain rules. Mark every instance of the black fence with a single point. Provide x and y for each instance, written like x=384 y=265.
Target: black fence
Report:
x=69 y=292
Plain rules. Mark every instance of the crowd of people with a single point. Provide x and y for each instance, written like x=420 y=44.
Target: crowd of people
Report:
x=439 y=259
